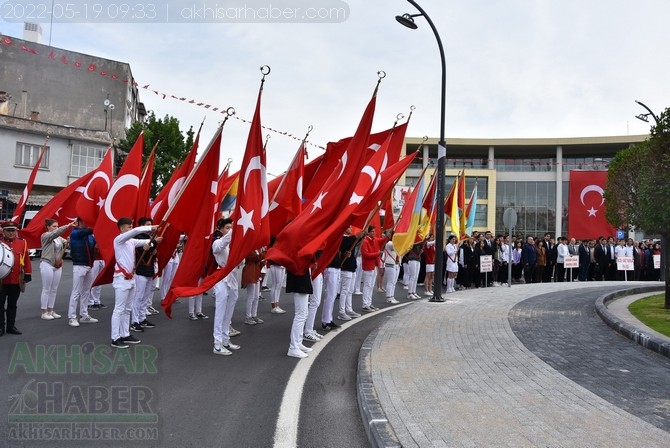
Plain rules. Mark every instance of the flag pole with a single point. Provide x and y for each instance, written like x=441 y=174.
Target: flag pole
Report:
x=228 y=113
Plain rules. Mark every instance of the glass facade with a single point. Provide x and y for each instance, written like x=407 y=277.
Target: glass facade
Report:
x=535 y=205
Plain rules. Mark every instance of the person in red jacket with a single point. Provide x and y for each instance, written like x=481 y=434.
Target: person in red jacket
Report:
x=14 y=283
x=371 y=250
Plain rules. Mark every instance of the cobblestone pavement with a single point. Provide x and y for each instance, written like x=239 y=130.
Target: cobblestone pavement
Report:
x=526 y=366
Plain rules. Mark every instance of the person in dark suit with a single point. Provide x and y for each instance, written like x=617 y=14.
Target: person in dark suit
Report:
x=584 y=260
x=603 y=259
x=550 y=247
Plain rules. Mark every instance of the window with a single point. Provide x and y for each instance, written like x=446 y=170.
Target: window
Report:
x=534 y=202
x=27 y=155
x=85 y=159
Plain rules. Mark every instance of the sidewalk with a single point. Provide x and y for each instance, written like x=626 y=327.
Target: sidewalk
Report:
x=457 y=374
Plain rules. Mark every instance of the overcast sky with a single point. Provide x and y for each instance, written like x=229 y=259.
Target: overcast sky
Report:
x=515 y=68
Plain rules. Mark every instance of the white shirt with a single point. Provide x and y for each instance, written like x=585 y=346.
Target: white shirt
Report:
x=562 y=251
x=389 y=255
x=124 y=250
x=619 y=251
x=504 y=249
x=221 y=250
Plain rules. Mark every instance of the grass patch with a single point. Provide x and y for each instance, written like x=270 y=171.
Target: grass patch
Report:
x=652 y=313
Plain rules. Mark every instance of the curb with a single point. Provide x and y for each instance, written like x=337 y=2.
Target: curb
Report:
x=379 y=430
x=635 y=334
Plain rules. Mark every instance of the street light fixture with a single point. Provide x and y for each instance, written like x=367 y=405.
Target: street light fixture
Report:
x=645 y=118
x=408 y=21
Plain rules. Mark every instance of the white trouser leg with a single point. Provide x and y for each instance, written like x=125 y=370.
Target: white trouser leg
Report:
x=414 y=266
x=94 y=295
x=81 y=287
x=278 y=274
x=50 y=280
x=124 y=292
x=300 y=301
x=368 y=286
x=390 y=280
x=143 y=289
x=331 y=279
x=346 y=285
x=314 y=302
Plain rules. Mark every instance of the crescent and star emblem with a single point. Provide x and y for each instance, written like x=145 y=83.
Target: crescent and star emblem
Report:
x=127 y=180
x=592 y=188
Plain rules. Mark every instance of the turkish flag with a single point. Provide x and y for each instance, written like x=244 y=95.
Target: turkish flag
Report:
x=165 y=198
x=194 y=214
x=93 y=197
x=251 y=229
x=62 y=208
x=586 y=205
x=144 y=194
x=286 y=203
x=339 y=193
x=121 y=201
x=18 y=211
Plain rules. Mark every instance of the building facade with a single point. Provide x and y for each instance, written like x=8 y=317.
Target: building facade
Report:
x=531 y=176
x=83 y=103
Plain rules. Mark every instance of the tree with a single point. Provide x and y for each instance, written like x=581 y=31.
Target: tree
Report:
x=640 y=196
x=171 y=150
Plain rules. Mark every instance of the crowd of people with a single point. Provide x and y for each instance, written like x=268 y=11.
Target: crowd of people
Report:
x=365 y=262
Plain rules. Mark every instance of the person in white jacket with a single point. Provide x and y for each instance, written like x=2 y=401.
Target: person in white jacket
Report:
x=225 y=292
x=124 y=279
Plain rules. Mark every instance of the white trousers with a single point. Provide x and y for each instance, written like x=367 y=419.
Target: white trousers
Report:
x=413 y=275
x=143 y=293
x=368 y=286
x=82 y=279
x=195 y=304
x=124 y=293
x=277 y=276
x=347 y=279
x=314 y=302
x=50 y=280
x=331 y=279
x=226 y=298
x=94 y=295
x=391 y=278
x=300 y=301
x=359 y=274
x=253 y=290
x=168 y=275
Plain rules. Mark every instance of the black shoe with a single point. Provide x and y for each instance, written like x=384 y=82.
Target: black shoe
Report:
x=136 y=327
x=337 y=296
x=102 y=306
x=146 y=324
x=95 y=306
x=119 y=343
x=13 y=330
x=334 y=325
x=130 y=339
x=326 y=327
x=265 y=288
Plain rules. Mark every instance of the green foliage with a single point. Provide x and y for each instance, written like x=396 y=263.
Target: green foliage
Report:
x=171 y=150
x=622 y=191
x=651 y=312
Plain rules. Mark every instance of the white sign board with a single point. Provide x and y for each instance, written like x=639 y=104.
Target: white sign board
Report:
x=486 y=263
x=625 y=264
x=657 y=261
x=571 y=261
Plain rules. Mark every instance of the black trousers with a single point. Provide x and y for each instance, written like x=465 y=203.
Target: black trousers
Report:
x=9 y=294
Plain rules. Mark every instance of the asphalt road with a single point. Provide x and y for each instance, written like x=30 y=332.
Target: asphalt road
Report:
x=170 y=390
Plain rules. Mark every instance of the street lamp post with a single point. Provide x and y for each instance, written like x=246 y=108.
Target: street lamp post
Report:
x=644 y=117
x=408 y=21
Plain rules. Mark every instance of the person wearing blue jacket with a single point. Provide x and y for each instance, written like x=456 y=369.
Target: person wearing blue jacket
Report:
x=82 y=251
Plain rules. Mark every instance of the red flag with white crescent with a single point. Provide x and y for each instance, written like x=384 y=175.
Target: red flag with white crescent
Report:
x=93 y=197
x=586 y=205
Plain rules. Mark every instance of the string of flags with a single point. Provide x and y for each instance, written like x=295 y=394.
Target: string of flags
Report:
x=94 y=69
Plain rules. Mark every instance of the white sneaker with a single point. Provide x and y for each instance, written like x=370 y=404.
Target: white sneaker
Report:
x=358 y=293
x=232 y=346
x=47 y=316
x=88 y=320
x=428 y=293
x=297 y=354
x=221 y=350
x=277 y=310
x=353 y=313
x=318 y=336
x=55 y=315
x=391 y=300
x=305 y=349
x=405 y=287
x=310 y=337
x=73 y=322
x=343 y=317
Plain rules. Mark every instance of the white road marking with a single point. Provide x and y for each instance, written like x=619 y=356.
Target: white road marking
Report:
x=286 y=431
